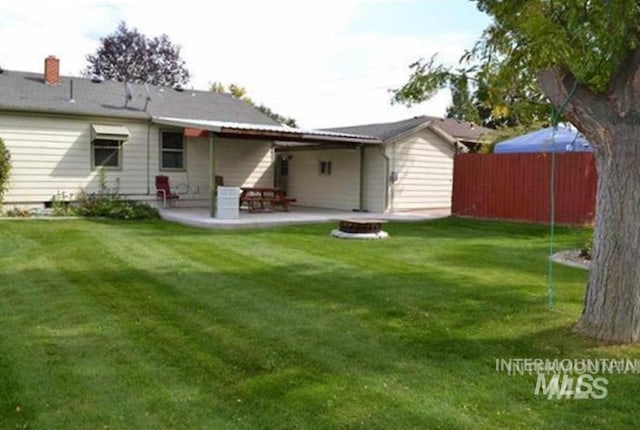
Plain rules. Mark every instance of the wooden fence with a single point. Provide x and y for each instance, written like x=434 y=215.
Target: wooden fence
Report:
x=517 y=187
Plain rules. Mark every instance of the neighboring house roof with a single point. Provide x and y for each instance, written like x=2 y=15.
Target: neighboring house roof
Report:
x=464 y=131
x=27 y=92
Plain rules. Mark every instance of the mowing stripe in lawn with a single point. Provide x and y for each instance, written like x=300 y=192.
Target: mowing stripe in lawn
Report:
x=154 y=325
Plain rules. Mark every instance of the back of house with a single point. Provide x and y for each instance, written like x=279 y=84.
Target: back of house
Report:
x=67 y=134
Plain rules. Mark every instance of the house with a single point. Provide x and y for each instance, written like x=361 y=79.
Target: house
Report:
x=411 y=168
x=62 y=131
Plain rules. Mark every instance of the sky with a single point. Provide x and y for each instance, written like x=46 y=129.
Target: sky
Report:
x=325 y=63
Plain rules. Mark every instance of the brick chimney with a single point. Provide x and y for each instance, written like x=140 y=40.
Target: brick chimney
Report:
x=51 y=70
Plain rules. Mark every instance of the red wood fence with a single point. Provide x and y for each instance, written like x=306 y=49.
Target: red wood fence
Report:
x=517 y=187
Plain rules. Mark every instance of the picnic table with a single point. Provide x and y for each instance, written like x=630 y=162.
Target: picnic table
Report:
x=263 y=199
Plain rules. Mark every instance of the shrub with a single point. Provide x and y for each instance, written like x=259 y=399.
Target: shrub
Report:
x=18 y=212
x=107 y=206
x=108 y=203
x=5 y=168
x=61 y=204
x=587 y=249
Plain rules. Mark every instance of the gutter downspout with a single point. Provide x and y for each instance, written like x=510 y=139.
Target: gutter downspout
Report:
x=387 y=164
x=213 y=191
x=149 y=158
x=393 y=178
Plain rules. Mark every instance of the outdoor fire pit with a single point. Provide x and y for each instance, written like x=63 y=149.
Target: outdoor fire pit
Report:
x=360 y=229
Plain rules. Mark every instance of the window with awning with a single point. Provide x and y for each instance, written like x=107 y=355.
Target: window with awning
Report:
x=109 y=132
x=106 y=145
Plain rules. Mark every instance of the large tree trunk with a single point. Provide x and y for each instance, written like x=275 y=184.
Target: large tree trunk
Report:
x=611 y=122
x=612 y=301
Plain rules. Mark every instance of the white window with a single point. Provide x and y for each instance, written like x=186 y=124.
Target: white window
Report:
x=106 y=153
x=325 y=168
x=172 y=150
x=106 y=145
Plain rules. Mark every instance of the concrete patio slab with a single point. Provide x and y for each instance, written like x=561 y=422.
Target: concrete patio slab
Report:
x=199 y=217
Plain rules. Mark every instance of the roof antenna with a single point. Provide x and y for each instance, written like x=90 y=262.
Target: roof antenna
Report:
x=128 y=94
x=71 y=99
x=148 y=99
x=193 y=93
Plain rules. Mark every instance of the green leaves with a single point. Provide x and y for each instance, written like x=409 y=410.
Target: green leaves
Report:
x=5 y=168
x=426 y=79
x=240 y=93
x=589 y=38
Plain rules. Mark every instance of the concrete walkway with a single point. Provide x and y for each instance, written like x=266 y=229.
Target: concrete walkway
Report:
x=199 y=217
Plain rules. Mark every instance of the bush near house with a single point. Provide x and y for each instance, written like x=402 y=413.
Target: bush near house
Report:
x=5 y=168
x=112 y=206
x=106 y=203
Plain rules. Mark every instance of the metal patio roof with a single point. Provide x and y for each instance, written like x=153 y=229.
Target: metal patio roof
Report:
x=265 y=131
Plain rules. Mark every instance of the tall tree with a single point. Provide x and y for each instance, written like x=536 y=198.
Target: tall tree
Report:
x=475 y=96
x=240 y=92
x=128 y=55
x=463 y=106
x=585 y=57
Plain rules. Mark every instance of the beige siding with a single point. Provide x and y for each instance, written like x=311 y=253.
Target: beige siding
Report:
x=340 y=190
x=374 y=180
x=424 y=163
x=192 y=183
x=53 y=155
x=247 y=163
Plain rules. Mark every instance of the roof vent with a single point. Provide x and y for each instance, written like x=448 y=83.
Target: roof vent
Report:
x=96 y=79
x=128 y=94
x=71 y=99
x=1 y=69
x=178 y=88
x=148 y=99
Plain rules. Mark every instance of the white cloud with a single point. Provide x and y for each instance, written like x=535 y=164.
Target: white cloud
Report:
x=297 y=57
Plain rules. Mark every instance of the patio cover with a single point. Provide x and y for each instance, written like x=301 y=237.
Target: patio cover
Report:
x=565 y=140
x=263 y=132
x=271 y=132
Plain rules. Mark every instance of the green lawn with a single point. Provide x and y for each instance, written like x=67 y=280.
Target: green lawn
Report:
x=134 y=325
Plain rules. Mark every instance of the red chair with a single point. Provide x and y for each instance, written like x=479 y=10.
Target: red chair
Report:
x=164 y=191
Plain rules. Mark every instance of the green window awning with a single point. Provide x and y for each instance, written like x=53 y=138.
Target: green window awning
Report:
x=109 y=132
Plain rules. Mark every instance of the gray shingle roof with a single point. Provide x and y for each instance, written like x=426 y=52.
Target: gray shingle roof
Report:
x=459 y=129
x=24 y=91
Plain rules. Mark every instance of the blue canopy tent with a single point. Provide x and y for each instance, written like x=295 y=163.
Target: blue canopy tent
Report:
x=565 y=140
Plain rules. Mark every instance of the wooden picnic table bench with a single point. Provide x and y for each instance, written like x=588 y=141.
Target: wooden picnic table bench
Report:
x=263 y=199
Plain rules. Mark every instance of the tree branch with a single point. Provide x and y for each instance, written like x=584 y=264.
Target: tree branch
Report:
x=624 y=91
x=588 y=112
